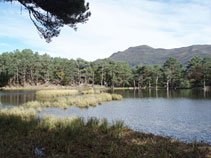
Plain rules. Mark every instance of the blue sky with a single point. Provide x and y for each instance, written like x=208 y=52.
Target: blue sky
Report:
x=113 y=26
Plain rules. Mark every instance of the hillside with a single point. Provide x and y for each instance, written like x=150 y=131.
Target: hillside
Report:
x=149 y=56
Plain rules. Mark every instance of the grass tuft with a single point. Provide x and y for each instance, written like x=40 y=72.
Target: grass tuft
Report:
x=21 y=132
x=116 y=97
x=55 y=93
x=18 y=111
x=84 y=101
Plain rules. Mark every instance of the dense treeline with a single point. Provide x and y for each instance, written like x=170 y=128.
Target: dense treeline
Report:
x=23 y=68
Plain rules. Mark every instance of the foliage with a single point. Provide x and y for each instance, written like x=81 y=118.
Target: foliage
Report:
x=75 y=137
x=49 y=16
x=25 y=68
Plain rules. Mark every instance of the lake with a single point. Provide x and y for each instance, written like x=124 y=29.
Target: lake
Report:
x=180 y=114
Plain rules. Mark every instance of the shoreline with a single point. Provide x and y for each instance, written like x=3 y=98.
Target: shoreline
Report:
x=97 y=87
x=22 y=133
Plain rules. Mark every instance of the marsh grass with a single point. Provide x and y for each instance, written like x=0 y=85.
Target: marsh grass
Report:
x=55 y=93
x=19 y=111
x=49 y=94
x=32 y=104
x=116 y=97
x=91 y=91
x=84 y=101
x=21 y=133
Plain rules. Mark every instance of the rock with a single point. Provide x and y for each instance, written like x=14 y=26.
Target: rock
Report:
x=39 y=152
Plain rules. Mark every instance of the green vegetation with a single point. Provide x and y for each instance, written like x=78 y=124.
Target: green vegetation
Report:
x=21 y=134
x=50 y=15
x=49 y=98
x=25 y=68
x=55 y=93
x=19 y=112
x=116 y=97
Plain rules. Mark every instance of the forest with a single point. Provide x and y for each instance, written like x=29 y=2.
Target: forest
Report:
x=28 y=68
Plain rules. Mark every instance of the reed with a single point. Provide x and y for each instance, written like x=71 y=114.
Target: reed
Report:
x=32 y=104
x=84 y=101
x=55 y=93
x=22 y=132
x=116 y=97
x=90 y=91
x=18 y=111
x=39 y=109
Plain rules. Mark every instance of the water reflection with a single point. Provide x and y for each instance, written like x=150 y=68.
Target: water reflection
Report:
x=170 y=94
x=20 y=97
x=16 y=97
x=180 y=118
x=182 y=114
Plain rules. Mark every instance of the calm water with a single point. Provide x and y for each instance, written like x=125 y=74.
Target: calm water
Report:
x=16 y=98
x=181 y=114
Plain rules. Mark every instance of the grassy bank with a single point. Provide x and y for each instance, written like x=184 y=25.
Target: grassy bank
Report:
x=54 y=87
x=42 y=94
x=83 y=101
x=21 y=134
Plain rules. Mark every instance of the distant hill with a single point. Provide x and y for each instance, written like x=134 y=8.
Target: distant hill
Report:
x=149 y=56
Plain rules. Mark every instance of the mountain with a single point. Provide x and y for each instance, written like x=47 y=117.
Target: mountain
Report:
x=149 y=56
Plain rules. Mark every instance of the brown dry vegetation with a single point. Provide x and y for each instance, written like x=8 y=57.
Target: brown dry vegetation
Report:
x=90 y=98
x=55 y=93
x=21 y=133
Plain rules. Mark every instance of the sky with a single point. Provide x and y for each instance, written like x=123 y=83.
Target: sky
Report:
x=115 y=25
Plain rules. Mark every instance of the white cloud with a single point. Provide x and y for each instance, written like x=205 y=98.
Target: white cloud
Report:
x=117 y=25
x=4 y=45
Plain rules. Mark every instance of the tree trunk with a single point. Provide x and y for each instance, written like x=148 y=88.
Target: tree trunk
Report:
x=112 y=85
x=37 y=80
x=47 y=78
x=17 y=76
x=167 y=85
x=102 y=76
x=24 y=77
x=93 y=79
x=79 y=75
x=149 y=84
x=204 y=84
x=139 y=85
x=10 y=82
x=32 y=77
x=86 y=78
x=156 y=83
x=134 y=84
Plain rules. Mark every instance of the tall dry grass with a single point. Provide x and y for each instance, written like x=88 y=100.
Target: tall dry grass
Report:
x=21 y=132
x=55 y=93
x=83 y=101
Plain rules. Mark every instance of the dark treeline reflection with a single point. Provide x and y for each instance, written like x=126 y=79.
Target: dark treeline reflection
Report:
x=20 y=97
x=183 y=93
x=16 y=97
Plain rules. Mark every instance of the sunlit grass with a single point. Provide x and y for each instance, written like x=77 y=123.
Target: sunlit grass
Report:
x=55 y=93
x=90 y=91
x=32 y=104
x=83 y=101
x=105 y=97
x=18 y=111
x=21 y=133
x=116 y=97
